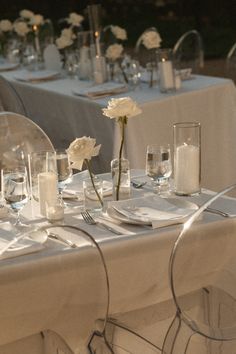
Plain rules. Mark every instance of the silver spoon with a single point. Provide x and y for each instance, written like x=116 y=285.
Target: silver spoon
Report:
x=138 y=185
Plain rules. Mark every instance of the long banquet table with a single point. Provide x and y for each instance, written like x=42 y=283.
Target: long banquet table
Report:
x=209 y=100
x=62 y=289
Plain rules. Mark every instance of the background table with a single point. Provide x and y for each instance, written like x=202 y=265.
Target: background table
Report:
x=211 y=101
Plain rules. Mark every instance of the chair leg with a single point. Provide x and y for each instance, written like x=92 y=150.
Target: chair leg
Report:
x=177 y=338
x=54 y=343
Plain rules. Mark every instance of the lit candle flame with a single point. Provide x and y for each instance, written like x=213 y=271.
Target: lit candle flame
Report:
x=96 y=34
x=35 y=28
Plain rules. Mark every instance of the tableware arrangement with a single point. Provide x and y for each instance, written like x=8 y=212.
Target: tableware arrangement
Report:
x=187 y=158
x=159 y=167
x=152 y=210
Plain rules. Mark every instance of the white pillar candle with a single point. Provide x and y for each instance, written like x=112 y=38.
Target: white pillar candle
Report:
x=47 y=183
x=187 y=169
x=166 y=74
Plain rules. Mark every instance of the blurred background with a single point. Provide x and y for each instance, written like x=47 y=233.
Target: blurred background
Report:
x=214 y=19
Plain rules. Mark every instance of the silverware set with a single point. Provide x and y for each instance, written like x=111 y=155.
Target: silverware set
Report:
x=91 y=221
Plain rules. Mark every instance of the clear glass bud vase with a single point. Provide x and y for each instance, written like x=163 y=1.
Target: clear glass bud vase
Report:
x=120 y=172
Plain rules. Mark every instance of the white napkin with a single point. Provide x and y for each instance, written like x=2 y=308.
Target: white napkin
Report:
x=20 y=247
x=37 y=76
x=77 y=194
x=154 y=210
x=98 y=91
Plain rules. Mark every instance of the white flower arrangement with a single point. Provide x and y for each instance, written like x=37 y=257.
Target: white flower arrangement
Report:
x=21 y=28
x=6 y=26
x=26 y=14
x=66 y=38
x=121 y=109
x=75 y=19
x=114 y=51
x=151 y=39
x=81 y=151
x=36 y=20
x=119 y=33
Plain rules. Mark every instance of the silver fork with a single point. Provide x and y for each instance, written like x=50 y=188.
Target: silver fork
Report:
x=90 y=221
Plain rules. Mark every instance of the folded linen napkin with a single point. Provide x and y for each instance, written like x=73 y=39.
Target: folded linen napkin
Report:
x=13 y=246
x=100 y=91
x=153 y=210
x=37 y=76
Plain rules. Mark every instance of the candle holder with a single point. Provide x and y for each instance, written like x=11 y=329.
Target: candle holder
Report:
x=187 y=158
x=166 y=70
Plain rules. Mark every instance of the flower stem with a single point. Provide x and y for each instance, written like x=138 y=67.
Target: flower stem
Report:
x=92 y=180
x=151 y=77
x=122 y=122
x=124 y=74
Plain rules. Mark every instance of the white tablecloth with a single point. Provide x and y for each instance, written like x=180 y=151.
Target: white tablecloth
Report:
x=64 y=290
x=211 y=101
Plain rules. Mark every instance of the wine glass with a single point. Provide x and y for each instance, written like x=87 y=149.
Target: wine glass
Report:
x=64 y=171
x=16 y=191
x=159 y=167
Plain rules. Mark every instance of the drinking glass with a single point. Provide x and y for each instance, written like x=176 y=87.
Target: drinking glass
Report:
x=64 y=171
x=159 y=167
x=16 y=191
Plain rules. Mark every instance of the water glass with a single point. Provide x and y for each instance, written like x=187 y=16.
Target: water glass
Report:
x=64 y=171
x=93 y=194
x=187 y=158
x=15 y=190
x=159 y=167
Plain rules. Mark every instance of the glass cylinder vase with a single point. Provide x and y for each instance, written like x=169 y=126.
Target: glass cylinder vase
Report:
x=120 y=171
x=187 y=158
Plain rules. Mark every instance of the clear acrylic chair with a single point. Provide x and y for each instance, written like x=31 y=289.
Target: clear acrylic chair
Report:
x=18 y=137
x=230 y=65
x=71 y=288
x=188 y=52
x=202 y=272
x=10 y=100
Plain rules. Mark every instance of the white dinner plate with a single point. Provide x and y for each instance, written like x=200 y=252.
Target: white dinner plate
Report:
x=8 y=66
x=37 y=76
x=165 y=212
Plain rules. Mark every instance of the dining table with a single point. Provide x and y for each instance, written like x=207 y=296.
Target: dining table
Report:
x=63 y=289
x=64 y=113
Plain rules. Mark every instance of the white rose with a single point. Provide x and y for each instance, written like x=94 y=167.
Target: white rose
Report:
x=119 y=32
x=21 y=28
x=151 y=39
x=67 y=32
x=75 y=19
x=5 y=25
x=121 y=107
x=36 y=20
x=63 y=42
x=26 y=14
x=114 y=51
x=81 y=149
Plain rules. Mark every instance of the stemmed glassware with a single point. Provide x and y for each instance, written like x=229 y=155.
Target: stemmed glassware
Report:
x=159 y=167
x=15 y=190
x=64 y=170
